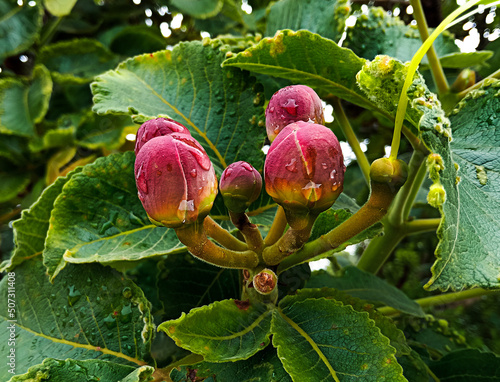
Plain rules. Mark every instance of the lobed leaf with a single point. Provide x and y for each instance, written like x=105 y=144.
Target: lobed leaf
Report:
x=91 y=312
x=467 y=254
x=320 y=339
x=19 y=26
x=228 y=330
x=31 y=229
x=99 y=218
x=324 y=17
x=366 y=286
x=55 y=370
x=223 y=109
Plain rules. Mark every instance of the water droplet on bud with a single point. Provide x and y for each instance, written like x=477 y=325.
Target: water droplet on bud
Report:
x=324 y=165
x=291 y=106
x=193 y=173
x=332 y=174
x=292 y=166
x=169 y=167
x=141 y=180
x=271 y=110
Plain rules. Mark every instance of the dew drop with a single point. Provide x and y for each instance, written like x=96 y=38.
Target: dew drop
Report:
x=126 y=313
x=141 y=198
x=134 y=219
x=292 y=166
x=193 y=173
x=73 y=295
x=332 y=174
x=276 y=130
x=291 y=106
x=169 y=167
x=324 y=165
x=186 y=205
x=271 y=110
x=141 y=180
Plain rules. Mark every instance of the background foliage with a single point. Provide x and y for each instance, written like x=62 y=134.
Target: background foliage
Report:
x=94 y=278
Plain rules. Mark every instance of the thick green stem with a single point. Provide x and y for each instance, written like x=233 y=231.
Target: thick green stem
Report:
x=249 y=231
x=223 y=237
x=277 y=228
x=435 y=64
x=353 y=141
x=196 y=240
x=374 y=209
x=50 y=30
x=290 y=242
x=442 y=299
x=463 y=93
x=421 y=225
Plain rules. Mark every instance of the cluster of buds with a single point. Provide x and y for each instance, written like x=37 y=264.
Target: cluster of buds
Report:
x=303 y=171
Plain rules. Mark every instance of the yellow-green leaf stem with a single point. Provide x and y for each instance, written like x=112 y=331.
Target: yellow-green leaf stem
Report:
x=403 y=99
x=277 y=228
x=441 y=299
x=196 y=240
x=250 y=231
x=353 y=141
x=223 y=237
x=435 y=64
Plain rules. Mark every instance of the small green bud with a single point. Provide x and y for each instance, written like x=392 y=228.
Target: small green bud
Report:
x=240 y=186
x=392 y=172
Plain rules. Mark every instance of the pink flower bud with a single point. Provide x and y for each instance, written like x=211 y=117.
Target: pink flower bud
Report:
x=304 y=169
x=175 y=179
x=240 y=186
x=291 y=104
x=157 y=128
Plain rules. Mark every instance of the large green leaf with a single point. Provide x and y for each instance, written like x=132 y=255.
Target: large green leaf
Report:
x=467 y=254
x=307 y=58
x=107 y=131
x=199 y=8
x=99 y=218
x=366 y=286
x=137 y=39
x=221 y=107
x=91 y=312
x=77 y=61
x=179 y=293
x=376 y=32
x=53 y=370
x=467 y=365
x=19 y=26
x=387 y=327
x=31 y=229
x=23 y=103
x=320 y=339
x=324 y=17
x=228 y=330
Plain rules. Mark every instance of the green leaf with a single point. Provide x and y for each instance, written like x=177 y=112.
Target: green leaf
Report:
x=385 y=324
x=109 y=131
x=200 y=9
x=467 y=254
x=468 y=365
x=177 y=291
x=320 y=339
x=221 y=107
x=13 y=148
x=321 y=64
x=59 y=8
x=77 y=61
x=228 y=330
x=24 y=104
x=31 y=229
x=414 y=369
x=53 y=370
x=12 y=184
x=137 y=39
x=99 y=218
x=464 y=60
x=92 y=312
x=324 y=17
x=19 y=27
x=366 y=286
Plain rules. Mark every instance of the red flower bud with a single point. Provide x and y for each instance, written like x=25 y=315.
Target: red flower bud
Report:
x=291 y=104
x=175 y=179
x=304 y=169
x=240 y=185
x=157 y=128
